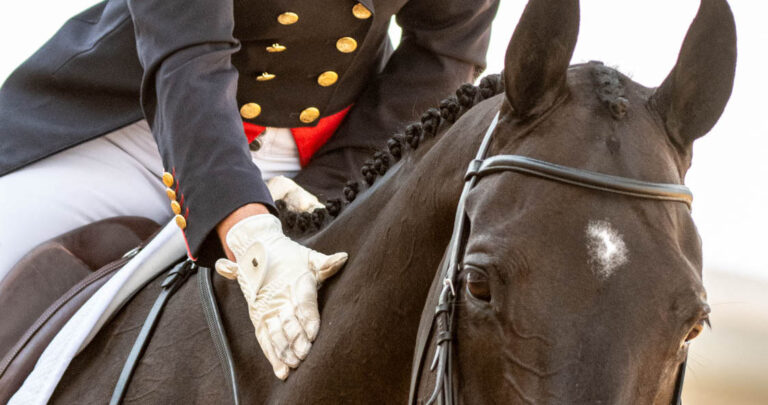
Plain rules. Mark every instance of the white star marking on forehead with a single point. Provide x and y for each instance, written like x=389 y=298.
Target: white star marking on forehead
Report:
x=607 y=250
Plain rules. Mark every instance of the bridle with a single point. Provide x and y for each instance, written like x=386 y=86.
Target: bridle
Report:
x=443 y=318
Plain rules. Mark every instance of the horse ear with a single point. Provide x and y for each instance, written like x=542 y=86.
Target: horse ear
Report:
x=539 y=54
x=693 y=96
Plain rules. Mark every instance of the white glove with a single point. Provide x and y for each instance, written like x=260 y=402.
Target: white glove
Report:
x=296 y=198
x=279 y=279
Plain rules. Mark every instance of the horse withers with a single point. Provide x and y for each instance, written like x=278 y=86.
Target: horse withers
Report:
x=567 y=294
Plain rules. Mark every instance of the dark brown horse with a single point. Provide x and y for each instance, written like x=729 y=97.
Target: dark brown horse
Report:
x=568 y=295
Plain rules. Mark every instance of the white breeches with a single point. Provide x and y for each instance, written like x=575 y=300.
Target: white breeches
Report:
x=114 y=175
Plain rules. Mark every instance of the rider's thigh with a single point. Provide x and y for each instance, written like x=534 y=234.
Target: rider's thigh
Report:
x=114 y=175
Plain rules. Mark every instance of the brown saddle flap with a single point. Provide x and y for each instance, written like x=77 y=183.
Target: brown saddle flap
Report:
x=49 y=284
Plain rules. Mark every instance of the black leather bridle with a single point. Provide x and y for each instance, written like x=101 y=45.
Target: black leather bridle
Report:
x=443 y=318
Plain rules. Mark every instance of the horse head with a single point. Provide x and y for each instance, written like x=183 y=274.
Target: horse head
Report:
x=573 y=295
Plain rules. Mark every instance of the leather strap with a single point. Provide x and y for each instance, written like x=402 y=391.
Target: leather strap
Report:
x=583 y=178
x=443 y=317
x=677 y=398
x=216 y=327
x=175 y=279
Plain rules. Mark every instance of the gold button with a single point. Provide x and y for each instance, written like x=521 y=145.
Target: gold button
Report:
x=176 y=207
x=327 y=78
x=167 y=179
x=288 y=18
x=265 y=77
x=171 y=194
x=309 y=115
x=180 y=221
x=361 y=12
x=346 y=45
x=250 y=110
x=276 y=48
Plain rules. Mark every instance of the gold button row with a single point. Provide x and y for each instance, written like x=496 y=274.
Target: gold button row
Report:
x=253 y=110
x=168 y=180
x=343 y=45
x=359 y=11
x=325 y=79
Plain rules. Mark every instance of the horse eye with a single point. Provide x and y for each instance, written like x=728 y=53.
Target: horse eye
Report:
x=478 y=286
x=696 y=331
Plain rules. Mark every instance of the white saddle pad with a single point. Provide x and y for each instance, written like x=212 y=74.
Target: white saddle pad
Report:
x=166 y=248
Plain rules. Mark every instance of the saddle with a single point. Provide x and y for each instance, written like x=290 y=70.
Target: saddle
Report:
x=51 y=283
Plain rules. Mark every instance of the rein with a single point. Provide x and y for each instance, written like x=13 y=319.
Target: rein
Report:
x=443 y=318
x=174 y=279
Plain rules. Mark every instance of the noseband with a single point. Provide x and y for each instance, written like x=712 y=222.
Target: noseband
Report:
x=443 y=319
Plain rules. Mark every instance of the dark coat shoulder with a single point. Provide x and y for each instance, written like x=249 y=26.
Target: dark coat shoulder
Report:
x=197 y=75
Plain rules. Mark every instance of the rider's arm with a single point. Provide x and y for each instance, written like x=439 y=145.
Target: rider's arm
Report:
x=188 y=96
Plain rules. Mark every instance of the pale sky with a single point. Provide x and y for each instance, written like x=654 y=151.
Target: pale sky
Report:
x=729 y=177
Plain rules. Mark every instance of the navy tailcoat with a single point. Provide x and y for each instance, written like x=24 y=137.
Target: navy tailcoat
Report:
x=196 y=69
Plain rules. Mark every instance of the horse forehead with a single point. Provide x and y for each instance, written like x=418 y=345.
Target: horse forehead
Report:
x=606 y=248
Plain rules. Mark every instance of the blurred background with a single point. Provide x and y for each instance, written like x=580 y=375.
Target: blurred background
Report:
x=728 y=364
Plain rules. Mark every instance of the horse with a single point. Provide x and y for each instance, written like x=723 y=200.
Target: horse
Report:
x=567 y=294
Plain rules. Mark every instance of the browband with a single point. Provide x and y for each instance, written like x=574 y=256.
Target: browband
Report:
x=581 y=178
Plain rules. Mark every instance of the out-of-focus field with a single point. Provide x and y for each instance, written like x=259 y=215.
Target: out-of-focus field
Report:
x=729 y=364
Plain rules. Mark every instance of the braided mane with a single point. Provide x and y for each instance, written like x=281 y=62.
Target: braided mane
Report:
x=433 y=122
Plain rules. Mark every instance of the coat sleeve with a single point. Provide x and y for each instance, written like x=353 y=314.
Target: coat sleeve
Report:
x=188 y=95
x=443 y=45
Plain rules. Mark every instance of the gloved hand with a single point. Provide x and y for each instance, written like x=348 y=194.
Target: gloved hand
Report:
x=279 y=279
x=296 y=198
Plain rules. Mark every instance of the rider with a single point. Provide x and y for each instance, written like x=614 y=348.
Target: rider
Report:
x=134 y=102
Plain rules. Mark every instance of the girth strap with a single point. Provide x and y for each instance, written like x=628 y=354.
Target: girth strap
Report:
x=175 y=279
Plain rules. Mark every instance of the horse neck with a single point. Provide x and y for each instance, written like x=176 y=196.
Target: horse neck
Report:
x=395 y=234
x=404 y=221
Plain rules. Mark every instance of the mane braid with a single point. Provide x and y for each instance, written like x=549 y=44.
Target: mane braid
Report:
x=432 y=122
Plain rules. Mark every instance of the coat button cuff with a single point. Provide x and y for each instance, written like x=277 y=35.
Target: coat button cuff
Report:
x=167 y=179
x=180 y=221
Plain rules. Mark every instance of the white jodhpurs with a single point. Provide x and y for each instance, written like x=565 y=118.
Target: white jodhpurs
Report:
x=114 y=175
